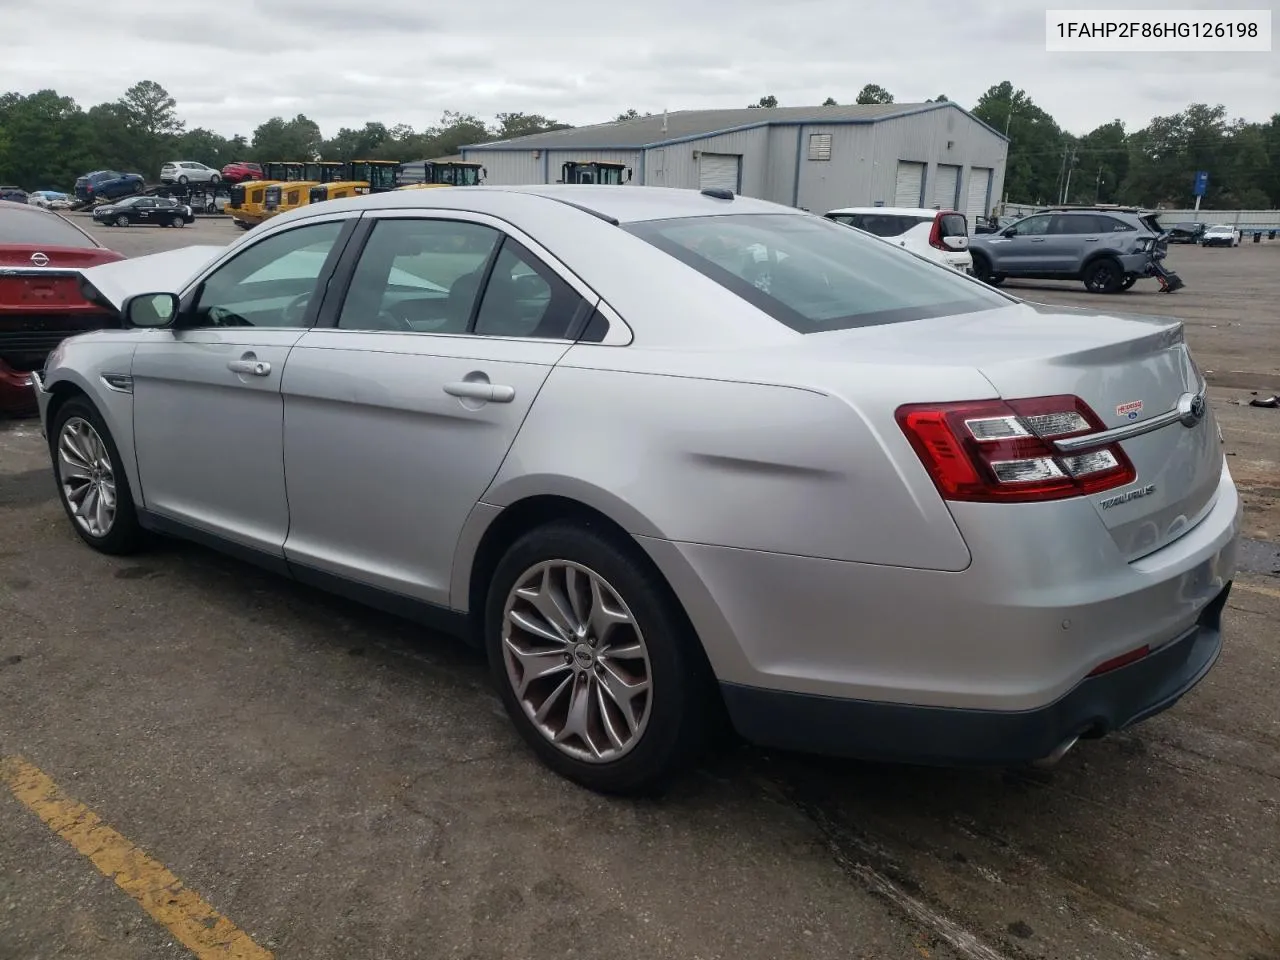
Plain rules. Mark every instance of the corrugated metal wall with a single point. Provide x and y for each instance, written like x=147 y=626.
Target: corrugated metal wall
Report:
x=679 y=167
x=780 y=175
x=940 y=136
x=507 y=167
x=842 y=181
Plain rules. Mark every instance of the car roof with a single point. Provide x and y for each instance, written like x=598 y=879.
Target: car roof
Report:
x=621 y=204
x=893 y=211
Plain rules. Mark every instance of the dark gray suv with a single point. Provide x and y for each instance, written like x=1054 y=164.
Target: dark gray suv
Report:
x=1106 y=250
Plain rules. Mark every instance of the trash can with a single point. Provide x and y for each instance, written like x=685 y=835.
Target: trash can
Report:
x=1271 y=235
x=1257 y=236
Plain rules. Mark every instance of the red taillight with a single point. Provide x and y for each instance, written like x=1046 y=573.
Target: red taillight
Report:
x=935 y=233
x=1001 y=451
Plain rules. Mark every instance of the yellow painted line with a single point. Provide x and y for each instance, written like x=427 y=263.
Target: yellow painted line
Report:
x=1254 y=588
x=192 y=921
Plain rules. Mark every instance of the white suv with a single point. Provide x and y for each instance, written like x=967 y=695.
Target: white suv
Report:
x=939 y=235
x=188 y=171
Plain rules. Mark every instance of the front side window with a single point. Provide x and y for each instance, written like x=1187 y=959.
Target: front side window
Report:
x=1032 y=226
x=271 y=283
x=419 y=276
x=813 y=275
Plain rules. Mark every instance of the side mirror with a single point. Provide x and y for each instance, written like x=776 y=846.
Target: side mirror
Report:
x=1009 y=232
x=150 y=310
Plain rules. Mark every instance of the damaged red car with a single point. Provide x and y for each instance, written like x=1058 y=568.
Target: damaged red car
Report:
x=41 y=256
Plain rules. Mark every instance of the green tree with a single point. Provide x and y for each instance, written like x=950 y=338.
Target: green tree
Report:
x=830 y=102
x=1037 y=145
x=45 y=139
x=767 y=102
x=523 y=124
x=298 y=139
x=874 y=93
x=631 y=113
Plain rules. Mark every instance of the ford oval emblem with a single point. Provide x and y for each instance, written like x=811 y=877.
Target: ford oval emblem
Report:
x=1191 y=409
x=39 y=259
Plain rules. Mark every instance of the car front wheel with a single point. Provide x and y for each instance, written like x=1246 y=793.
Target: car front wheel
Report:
x=122 y=221
x=92 y=484
x=595 y=662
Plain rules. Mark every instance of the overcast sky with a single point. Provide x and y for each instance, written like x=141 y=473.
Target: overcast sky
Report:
x=345 y=63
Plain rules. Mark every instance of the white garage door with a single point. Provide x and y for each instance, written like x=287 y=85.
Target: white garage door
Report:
x=910 y=186
x=719 y=170
x=946 y=187
x=976 y=201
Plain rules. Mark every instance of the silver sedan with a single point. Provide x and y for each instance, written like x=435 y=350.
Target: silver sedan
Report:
x=670 y=457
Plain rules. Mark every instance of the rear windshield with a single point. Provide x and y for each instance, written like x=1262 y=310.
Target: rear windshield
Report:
x=814 y=275
x=40 y=229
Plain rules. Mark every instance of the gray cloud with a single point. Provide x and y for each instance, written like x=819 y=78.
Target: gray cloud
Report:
x=343 y=65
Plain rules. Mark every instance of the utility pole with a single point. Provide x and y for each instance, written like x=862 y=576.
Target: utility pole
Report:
x=1066 y=189
x=1097 y=194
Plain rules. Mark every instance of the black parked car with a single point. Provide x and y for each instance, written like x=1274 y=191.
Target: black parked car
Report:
x=163 y=211
x=13 y=194
x=1186 y=232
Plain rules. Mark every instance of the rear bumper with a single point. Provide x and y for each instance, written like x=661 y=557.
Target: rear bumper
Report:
x=1135 y=262
x=902 y=732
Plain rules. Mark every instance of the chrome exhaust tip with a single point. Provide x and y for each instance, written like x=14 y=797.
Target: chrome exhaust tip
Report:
x=1060 y=751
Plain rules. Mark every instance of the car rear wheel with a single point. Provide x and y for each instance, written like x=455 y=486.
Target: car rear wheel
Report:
x=982 y=270
x=595 y=662
x=122 y=221
x=183 y=179
x=1103 y=276
x=92 y=484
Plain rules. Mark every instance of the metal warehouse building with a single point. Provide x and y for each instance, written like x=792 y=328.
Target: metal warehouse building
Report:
x=816 y=158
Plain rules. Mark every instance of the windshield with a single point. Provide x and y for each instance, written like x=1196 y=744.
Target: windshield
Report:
x=814 y=275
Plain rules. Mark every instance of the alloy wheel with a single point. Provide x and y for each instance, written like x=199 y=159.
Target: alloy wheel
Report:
x=87 y=479
x=577 y=661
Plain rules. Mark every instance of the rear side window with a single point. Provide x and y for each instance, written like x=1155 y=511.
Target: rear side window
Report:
x=953 y=225
x=880 y=224
x=41 y=230
x=813 y=275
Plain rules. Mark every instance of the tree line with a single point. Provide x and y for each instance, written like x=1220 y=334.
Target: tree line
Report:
x=47 y=140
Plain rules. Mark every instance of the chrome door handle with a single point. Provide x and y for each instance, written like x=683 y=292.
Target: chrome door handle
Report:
x=1037 y=239
x=253 y=368
x=480 y=390
x=1090 y=239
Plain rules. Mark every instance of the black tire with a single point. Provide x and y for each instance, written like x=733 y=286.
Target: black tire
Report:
x=122 y=221
x=183 y=179
x=125 y=535
x=681 y=709
x=982 y=268
x=214 y=179
x=1104 y=275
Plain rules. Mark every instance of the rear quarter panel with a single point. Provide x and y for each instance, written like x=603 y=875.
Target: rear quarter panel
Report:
x=732 y=462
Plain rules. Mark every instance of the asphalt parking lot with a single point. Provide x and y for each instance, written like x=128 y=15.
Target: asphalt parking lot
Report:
x=329 y=782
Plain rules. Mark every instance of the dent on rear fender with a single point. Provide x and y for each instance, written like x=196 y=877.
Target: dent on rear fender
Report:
x=745 y=465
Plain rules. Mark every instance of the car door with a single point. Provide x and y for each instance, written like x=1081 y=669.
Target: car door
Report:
x=143 y=210
x=401 y=404
x=1071 y=238
x=207 y=408
x=1022 y=251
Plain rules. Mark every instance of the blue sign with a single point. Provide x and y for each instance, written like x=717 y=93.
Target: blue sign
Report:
x=1202 y=183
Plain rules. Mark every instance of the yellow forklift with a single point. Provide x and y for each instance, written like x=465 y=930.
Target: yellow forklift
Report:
x=594 y=171
x=448 y=173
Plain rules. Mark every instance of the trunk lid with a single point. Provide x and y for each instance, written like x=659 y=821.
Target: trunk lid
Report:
x=1129 y=370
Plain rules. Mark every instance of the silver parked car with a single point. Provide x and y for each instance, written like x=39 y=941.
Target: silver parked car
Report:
x=671 y=456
